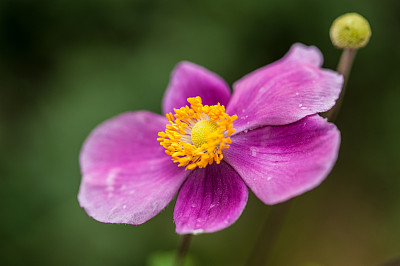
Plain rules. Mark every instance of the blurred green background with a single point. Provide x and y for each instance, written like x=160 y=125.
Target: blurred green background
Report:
x=66 y=66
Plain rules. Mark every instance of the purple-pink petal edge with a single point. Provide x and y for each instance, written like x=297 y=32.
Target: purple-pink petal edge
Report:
x=126 y=176
x=281 y=162
x=210 y=200
x=285 y=91
x=191 y=80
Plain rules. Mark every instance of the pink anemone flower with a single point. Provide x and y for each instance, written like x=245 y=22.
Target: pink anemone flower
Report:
x=270 y=138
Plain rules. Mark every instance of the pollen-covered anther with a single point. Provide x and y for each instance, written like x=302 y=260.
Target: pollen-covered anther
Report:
x=196 y=135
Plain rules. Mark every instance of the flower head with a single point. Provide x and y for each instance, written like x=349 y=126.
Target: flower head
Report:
x=266 y=136
x=196 y=136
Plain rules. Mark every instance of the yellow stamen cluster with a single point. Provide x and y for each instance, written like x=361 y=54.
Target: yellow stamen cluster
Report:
x=196 y=135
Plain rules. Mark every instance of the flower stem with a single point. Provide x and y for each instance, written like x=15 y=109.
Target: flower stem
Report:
x=184 y=247
x=344 y=67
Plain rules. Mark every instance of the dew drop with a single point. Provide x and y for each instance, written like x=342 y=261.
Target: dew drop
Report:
x=155 y=205
x=253 y=151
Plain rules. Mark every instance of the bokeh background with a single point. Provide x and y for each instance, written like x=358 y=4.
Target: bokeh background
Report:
x=67 y=65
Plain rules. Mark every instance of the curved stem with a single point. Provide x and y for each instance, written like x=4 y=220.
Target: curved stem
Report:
x=344 y=67
x=183 y=248
x=276 y=218
x=269 y=234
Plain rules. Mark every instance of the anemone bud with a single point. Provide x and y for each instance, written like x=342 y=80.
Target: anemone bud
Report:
x=350 y=31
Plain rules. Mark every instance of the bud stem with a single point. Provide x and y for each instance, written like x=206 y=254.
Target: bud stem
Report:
x=344 y=67
x=269 y=234
x=184 y=247
x=278 y=214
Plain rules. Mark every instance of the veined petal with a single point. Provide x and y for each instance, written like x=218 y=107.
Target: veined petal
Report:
x=211 y=199
x=281 y=162
x=126 y=175
x=285 y=91
x=191 y=80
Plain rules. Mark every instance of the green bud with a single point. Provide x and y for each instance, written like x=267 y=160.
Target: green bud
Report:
x=351 y=31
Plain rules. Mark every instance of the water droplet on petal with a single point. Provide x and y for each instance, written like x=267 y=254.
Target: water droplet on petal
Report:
x=253 y=151
x=155 y=205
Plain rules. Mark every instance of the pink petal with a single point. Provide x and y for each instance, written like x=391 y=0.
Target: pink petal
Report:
x=126 y=175
x=211 y=199
x=285 y=91
x=281 y=162
x=191 y=80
